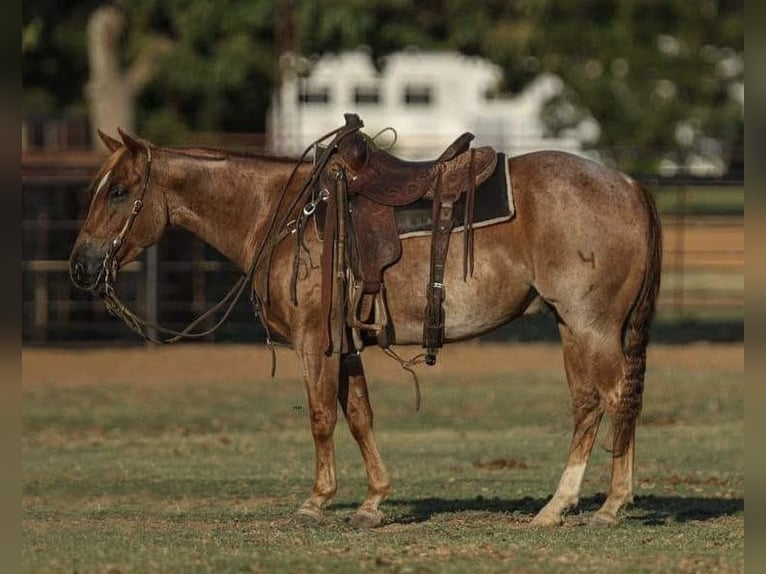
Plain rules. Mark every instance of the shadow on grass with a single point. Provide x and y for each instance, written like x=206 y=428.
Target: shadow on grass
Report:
x=648 y=510
x=667 y=330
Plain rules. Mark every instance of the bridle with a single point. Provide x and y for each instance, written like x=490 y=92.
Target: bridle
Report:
x=147 y=328
x=109 y=265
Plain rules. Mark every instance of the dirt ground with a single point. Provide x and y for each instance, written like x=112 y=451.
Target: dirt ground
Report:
x=720 y=246
x=188 y=364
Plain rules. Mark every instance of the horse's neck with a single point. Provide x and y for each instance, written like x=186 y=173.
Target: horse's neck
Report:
x=225 y=202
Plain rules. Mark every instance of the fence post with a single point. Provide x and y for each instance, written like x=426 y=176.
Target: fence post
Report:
x=681 y=249
x=152 y=264
x=41 y=279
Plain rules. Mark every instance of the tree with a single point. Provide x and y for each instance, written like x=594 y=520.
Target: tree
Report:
x=221 y=72
x=664 y=78
x=111 y=91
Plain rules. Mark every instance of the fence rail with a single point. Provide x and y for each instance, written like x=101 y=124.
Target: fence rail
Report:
x=703 y=273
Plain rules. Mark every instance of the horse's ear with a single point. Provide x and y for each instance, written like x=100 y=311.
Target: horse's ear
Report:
x=110 y=143
x=133 y=145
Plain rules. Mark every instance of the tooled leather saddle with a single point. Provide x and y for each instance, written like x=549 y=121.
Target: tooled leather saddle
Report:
x=375 y=183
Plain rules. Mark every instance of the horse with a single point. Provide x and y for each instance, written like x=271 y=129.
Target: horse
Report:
x=584 y=243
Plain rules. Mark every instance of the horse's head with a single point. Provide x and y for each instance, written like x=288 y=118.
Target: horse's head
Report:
x=127 y=213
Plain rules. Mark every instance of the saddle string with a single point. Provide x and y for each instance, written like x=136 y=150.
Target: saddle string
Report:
x=407 y=365
x=468 y=220
x=381 y=132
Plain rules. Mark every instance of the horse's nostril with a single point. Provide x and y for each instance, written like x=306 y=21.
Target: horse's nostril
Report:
x=79 y=273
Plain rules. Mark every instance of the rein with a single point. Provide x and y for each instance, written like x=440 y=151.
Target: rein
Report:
x=144 y=327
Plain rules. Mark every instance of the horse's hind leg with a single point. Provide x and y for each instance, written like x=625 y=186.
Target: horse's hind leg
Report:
x=624 y=405
x=601 y=377
x=585 y=363
x=354 y=399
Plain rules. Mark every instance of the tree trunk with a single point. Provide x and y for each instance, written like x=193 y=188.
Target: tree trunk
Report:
x=111 y=91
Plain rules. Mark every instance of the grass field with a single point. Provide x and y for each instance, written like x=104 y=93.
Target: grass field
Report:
x=700 y=200
x=127 y=472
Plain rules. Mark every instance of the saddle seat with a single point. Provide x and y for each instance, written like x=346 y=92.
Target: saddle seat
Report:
x=388 y=180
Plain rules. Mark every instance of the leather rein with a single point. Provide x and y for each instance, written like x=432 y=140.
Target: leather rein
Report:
x=144 y=327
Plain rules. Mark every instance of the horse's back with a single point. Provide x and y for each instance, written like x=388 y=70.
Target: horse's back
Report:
x=562 y=193
x=569 y=181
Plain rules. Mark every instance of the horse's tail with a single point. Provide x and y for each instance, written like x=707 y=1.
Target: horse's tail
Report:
x=635 y=336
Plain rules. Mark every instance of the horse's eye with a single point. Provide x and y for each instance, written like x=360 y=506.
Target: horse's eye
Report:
x=119 y=192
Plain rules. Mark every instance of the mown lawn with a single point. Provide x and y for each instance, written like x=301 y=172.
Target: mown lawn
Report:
x=205 y=477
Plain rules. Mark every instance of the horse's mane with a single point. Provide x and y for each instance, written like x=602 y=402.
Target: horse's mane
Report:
x=220 y=154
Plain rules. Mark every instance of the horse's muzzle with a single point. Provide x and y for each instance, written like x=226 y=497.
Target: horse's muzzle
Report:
x=86 y=267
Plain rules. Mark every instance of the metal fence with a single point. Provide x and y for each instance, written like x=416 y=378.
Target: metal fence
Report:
x=704 y=247
x=179 y=278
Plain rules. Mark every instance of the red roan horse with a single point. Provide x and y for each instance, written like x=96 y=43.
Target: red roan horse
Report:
x=585 y=242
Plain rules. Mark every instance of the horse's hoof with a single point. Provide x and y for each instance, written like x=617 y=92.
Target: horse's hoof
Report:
x=306 y=517
x=366 y=519
x=602 y=519
x=547 y=520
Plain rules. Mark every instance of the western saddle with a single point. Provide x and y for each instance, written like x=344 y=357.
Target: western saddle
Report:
x=368 y=184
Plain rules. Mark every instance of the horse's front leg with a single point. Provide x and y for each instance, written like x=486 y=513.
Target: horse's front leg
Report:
x=355 y=401
x=321 y=374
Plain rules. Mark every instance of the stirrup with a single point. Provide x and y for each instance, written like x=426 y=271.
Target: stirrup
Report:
x=378 y=327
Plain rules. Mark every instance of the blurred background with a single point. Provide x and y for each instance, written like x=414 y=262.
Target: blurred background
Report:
x=652 y=87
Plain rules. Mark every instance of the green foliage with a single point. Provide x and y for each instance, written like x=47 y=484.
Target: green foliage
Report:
x=54 y=56
x=661 y=77
x=218 y=75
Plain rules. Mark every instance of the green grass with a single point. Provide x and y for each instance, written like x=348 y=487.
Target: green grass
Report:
x=132 y=478
x=700 y=200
